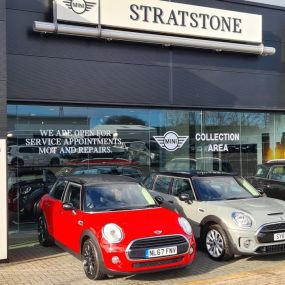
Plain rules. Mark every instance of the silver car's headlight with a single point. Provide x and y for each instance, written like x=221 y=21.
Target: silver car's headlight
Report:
x=184 y=224
x=112 y=233
x=242 y=219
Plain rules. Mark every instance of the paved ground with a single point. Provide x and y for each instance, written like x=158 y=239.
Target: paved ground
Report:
x=32 y=264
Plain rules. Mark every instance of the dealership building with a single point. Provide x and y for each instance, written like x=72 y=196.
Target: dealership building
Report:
x=147 y=84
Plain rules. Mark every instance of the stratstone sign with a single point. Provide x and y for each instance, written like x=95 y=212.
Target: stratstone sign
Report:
x=164 y=17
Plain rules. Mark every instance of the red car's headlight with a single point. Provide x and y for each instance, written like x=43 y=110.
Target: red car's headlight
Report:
x=112 y=233
x=184 y=224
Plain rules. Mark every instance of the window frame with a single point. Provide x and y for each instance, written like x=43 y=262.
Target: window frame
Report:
x=67 y=191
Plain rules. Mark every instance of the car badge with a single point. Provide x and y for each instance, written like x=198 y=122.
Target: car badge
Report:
x=171 y=141
x=281 y=218
x=157 y=232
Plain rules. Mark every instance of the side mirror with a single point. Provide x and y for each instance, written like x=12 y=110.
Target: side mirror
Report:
x=185 y=198
x=68 y=206
x=159 y=199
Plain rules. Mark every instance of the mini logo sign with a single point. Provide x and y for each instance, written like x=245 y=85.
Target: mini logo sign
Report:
x=79 y=6
x=171 y=141
x=158 y=232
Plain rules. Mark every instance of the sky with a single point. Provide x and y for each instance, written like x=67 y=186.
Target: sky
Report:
x=270 y=2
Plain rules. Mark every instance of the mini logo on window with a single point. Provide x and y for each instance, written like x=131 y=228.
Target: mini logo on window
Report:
x=79 y=6
x=171 y=141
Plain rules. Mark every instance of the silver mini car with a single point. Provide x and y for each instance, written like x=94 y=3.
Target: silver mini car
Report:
x=228 y=215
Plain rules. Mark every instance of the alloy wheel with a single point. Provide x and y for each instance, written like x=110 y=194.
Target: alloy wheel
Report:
x=214 y=243
x=89 y=261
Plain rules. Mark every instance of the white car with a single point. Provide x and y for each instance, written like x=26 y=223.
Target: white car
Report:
x=228 y=215
x=22 y=155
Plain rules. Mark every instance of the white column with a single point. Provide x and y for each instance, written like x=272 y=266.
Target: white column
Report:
x=3 y=202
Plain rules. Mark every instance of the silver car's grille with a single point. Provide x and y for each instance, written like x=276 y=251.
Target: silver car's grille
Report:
x=137 y=249
x=276 y=248
x=273 y=228
x=266 y=233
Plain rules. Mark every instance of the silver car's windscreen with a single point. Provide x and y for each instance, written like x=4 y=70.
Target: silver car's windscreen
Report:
x=214 y=188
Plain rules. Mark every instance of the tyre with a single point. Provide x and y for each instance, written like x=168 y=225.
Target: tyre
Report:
x=36 y=209
x=217 y=244
x=43 y=235
x=92 y=265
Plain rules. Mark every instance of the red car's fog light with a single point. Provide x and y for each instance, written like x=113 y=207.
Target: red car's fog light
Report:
x=116 y=260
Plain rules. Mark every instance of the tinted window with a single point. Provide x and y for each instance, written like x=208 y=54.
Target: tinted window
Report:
x=29 y=150
x=261 y=171
x=162 y=184
x=73 y=196
x=277 y=173
x=149 y=181
x=58 y=189
x=182 y=186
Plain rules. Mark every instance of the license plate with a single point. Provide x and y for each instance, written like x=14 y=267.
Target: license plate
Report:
x=280 y=236
x=164 y=251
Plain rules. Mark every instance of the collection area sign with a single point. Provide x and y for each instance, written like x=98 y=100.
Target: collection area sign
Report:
x=3 y=201
x=217 y=142
x=164 y=17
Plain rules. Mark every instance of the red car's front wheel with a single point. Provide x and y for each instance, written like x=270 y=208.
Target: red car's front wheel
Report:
x=91 y=262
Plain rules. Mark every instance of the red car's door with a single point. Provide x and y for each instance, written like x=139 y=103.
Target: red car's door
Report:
x=69 y=224
x=52 y=204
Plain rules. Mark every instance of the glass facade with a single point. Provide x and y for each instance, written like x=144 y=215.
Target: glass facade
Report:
x=45 y=142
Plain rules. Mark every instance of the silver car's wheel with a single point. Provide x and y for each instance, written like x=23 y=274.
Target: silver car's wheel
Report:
x=217 y=243
x=214 y=243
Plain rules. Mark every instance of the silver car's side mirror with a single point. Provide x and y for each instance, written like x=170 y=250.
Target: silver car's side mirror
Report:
x=185 y=198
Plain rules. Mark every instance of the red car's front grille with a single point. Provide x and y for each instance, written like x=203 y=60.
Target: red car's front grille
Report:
x=137 y=249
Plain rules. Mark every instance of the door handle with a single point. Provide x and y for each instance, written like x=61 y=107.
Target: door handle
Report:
x=47 y=204
x=201 y=210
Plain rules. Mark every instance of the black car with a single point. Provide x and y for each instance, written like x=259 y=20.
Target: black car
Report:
x=270 y=178
x=26 y=187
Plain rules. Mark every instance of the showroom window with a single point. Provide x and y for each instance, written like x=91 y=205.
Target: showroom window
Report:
x=63 y=140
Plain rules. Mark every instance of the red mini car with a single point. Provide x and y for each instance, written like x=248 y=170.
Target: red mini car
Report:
x=114 y=225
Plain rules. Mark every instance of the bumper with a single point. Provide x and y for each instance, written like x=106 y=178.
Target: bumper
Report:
x=245 y=242
x=124 y=265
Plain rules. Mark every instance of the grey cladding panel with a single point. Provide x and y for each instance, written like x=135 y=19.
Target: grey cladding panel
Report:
x=204 y=59
x=42 y=6
x=22 y=40
x=35 y=78
x=2 y=51
x=28 y=42
x=228 y=90
x=2 y=9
